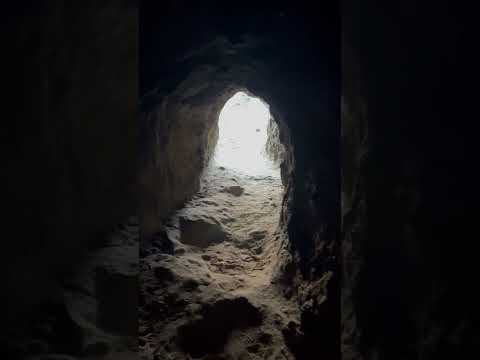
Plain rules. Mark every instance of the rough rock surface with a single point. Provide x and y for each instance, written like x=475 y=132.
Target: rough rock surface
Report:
x=219 y=301
x=274 y=147
x=200 y=232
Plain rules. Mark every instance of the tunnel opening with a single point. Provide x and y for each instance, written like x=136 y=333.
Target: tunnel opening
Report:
x=248 y=140
x=241 y=187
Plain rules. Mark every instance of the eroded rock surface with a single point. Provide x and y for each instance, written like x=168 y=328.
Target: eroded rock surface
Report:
x=216 y=299
x=200 y=232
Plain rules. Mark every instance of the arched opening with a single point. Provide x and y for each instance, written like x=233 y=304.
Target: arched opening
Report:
x=246 y=130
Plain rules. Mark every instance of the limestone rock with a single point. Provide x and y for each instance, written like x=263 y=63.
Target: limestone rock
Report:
x=200 y=232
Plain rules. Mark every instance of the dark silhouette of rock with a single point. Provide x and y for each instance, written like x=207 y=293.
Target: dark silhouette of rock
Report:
x=210 y=332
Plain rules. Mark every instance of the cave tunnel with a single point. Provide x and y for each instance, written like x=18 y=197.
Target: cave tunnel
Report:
x=108 y=250
x=228 y=245
x=248 y=138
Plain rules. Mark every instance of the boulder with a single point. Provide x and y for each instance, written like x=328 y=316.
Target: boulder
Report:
x=200 y=232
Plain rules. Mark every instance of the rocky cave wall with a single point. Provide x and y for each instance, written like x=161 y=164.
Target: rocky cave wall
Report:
x=70 y=139
x=274 y=148
x=279 y=57
x=408 y=266
x=180 y=133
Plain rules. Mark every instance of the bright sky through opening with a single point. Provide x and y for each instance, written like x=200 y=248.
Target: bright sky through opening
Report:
x=242 y=125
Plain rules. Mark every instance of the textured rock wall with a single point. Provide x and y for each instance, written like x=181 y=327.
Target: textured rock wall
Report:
x=70 y=139
x=274 y=148
x=179 y=135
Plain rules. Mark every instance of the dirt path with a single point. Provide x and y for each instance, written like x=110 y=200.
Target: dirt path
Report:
x=213 y=298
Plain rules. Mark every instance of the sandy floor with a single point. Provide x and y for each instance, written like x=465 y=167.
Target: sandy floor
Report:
x=214 y=298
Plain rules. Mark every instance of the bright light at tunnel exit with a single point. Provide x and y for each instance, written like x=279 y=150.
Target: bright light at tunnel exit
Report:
x=242 y=137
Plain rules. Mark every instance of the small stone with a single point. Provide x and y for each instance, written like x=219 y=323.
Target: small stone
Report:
x=235 y=190
x=200 y=232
